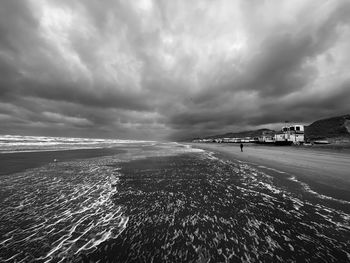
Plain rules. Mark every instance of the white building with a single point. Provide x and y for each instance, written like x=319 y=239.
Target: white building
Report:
x=291 y=134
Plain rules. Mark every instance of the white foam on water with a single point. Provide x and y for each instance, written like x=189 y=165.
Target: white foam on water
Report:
x=17 y=143
x=307 y=188
x=67 y=208
x=271 y=169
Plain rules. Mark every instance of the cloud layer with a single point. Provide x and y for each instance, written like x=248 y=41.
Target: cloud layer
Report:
x=170 y=69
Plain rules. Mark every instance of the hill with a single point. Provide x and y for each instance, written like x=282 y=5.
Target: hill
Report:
x=332 y=129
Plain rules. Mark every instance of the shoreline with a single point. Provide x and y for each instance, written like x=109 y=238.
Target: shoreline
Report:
x=325 y=171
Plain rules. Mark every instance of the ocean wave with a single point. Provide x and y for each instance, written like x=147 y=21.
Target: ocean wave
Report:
x=18 y=143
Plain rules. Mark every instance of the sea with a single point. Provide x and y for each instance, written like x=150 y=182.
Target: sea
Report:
x=95 y=200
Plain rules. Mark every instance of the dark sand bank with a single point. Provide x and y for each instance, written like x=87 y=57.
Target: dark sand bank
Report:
x=326 y=171
x=17 y=162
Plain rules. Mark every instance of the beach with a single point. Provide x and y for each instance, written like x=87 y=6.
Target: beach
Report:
x=172 y=202
x=326 y=170
x=122 y=123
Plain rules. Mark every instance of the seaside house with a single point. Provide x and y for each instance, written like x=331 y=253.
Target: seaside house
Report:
x=291 y=134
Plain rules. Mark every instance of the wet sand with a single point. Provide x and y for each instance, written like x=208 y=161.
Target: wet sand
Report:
x=18 y=162
x=325 y=171
x=166 y=203
x=199 y=208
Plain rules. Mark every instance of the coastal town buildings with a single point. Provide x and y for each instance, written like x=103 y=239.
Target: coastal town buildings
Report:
x=288 y=135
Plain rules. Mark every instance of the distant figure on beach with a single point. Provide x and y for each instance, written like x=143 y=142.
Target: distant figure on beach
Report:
x=241 y=147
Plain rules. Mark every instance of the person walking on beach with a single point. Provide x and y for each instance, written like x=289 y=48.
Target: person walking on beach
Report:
x=241 y=145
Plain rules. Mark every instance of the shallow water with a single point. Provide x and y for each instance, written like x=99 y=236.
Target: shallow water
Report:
x=167 y=203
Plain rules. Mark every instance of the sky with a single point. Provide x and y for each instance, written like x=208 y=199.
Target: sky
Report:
x=161 y=70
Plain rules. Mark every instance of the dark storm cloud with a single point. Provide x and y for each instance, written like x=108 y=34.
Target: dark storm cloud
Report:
x=154 y=69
